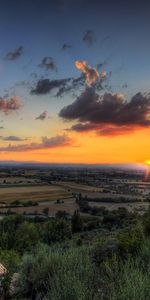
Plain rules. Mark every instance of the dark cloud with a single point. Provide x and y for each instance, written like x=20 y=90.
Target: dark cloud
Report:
x=82 y=127
x=9 y=105
x=115 y=130
x=72 y=85
x=66 y=46
x=46 y=143
x=89 y=37
x=48 y=64
x=15 y=54
x=45 y=86
x=107 y=113
x=104 y=130
x=65 y=85
x=42 y=116
x=13 y=138
x=1 y=127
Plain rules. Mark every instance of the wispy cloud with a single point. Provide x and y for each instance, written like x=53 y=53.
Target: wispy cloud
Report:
x=44 y=115
x=45 y=86
x=9 y=105
x=46 y=143
x=13 y=55
x=66 y=46
x=48 y=63
x=89 y=37
x=13 y=138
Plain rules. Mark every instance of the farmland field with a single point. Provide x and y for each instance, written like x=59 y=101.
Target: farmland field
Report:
x=69 y=206
x=95 y=192
x=59 y=196
x=32 y=193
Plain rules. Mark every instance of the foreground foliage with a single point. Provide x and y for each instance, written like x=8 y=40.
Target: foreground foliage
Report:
x=59 y=260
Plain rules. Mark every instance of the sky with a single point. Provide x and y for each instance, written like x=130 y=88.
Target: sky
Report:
x=75 y=81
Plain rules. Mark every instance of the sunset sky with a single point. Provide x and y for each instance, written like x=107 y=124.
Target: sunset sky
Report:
x=75 y=81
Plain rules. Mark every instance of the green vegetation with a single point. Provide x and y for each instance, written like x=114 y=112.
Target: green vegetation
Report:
x=105 y=256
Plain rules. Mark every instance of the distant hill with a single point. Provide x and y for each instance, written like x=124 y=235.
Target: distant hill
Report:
x=129 y=166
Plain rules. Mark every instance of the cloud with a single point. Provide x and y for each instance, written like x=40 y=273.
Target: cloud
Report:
x=1 y=127
x=89 y=37
x=82 y=127
x=66 y=46
x=72 y=85
x=115 y=130
x=13 y=138
x=44 y=86
x=91 y=74
x=108 y=114
x=104 y=130
x=67 y=85
x=42 y=116
x=46 y=143
x=48 y=64
x=15 y=54
x=9 y=105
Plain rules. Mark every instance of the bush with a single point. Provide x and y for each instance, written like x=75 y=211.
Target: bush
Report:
x=132 y=283
x=57 y=274
x=26 y=237
x=104 y=252
x=56 y=230
x=146 y=222
x=130 y=240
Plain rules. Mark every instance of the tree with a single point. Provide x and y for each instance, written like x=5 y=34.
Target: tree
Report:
x=56 y=230
x=27 y=236
x=61 y=214
x=46 y=211
x=76 y=222
x=8 y=228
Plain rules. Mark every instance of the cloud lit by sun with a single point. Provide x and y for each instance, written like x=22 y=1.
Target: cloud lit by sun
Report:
x=91 y=74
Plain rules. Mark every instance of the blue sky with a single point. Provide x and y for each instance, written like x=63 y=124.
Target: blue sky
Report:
x=42 y=28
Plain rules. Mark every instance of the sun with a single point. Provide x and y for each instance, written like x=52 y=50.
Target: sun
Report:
x=147 y=162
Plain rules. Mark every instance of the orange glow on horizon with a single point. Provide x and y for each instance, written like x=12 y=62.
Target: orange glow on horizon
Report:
x=91 y=148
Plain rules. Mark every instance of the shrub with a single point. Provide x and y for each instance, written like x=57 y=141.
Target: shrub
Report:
x=131 y=239
x=132 y=283
x=146 y=222
x=56 y=230
x=104 y=252
x=57 y=274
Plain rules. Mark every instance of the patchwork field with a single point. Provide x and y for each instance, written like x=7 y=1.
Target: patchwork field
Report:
x=69 y=206
x=94 y=192
x=58 y=196
x=17 y=180
x=76 y=187
x=33 y=193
